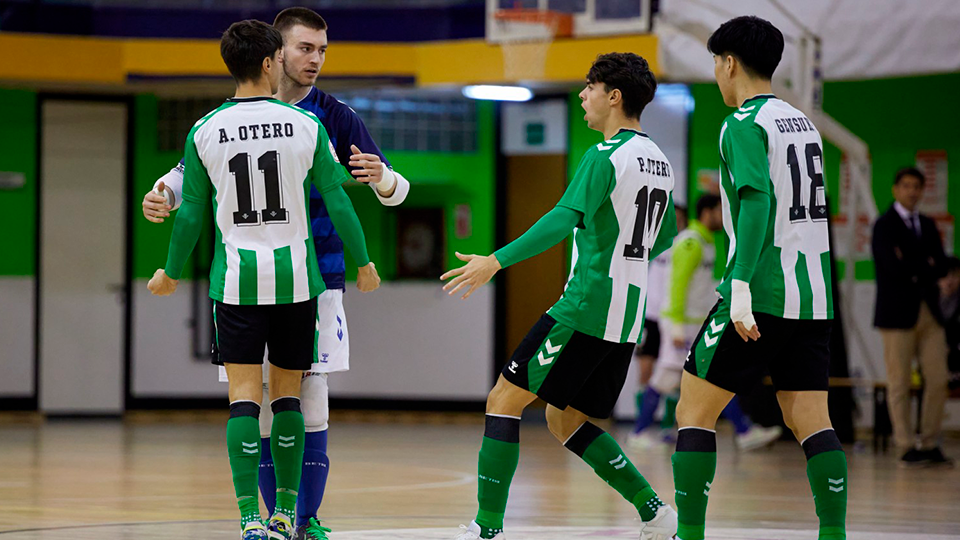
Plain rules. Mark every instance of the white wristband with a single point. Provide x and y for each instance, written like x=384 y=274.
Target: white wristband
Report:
x=741 y=303
x=389 y=180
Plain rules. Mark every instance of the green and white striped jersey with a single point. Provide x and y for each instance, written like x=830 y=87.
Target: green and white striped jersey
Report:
x=770 y=146
x=624 y=189
x=254 y=159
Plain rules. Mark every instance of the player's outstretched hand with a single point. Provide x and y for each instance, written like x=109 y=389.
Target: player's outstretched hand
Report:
x=161 y=284
x=474 y=274
x=370 y=167
x=741 y=310
x=367 y=278
x=155 y=206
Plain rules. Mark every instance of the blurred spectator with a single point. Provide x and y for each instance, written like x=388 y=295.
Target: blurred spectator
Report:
x=950 y=306
x=909 y=260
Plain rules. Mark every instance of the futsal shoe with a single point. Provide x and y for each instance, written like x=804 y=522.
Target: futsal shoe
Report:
x=472 y=532
x=312 y=530
x=280 y=527
x=254 y=531
x=662 y=527
x=646 y=441
x=758 y=437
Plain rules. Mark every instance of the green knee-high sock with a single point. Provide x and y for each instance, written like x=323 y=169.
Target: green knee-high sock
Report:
x=694 y=466
x=286 y=446
x=827 y=472
x=669 y=412
x=499 y=456
x=243 y=447
x=607 y=459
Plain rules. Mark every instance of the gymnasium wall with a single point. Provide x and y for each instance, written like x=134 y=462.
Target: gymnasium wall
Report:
x=18 y=141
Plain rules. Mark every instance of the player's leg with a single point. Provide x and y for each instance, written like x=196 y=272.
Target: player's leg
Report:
x=240 y=338
x=647 y=352
x=802 y=378
x=749 y=436
x=695 y=461
x=331 y=354
x=500 y=449
x=806 y=413
x=291 y=343
x=243 y=444
x=268 y=476
x=602 y=453
x=592 y=372
x=314 y=396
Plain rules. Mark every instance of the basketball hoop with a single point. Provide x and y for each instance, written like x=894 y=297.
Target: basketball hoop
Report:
x=525 y=36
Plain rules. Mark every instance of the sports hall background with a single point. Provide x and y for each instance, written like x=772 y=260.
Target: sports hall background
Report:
x=97 y=96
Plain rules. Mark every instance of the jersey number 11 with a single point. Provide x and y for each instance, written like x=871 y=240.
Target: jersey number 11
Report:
x=269 y=165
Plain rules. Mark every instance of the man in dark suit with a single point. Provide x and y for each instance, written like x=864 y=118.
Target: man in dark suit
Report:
x=909 y=259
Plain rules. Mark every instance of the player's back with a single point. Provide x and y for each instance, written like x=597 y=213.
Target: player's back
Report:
x=792 y=277
x=258 y=154
x=626 y=196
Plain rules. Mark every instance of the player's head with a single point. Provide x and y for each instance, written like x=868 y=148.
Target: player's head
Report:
x=908 y=187
x=250 y=49
x=710 y=212
x=950 y=284
x=304 y=44
x=746 y=47
x=619 y=82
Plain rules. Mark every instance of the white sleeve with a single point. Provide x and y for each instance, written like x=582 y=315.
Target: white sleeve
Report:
x=399 y=194
x=173 y=182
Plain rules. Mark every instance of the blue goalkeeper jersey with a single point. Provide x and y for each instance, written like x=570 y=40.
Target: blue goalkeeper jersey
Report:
x=344 y=127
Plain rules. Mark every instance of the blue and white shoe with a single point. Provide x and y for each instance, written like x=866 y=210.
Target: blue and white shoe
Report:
x=280 y=527
x=254 y=531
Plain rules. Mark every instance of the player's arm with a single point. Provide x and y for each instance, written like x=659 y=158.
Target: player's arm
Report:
x=744 y=149
x=188 y=224
x=329 y=177
x=589 y=188
x=366 y=162
x=683 y=265
x=668 y=231
x=165 y=195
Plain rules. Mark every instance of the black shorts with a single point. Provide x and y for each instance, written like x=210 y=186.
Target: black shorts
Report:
x=567 y=368
x=290 y=330
x=650 y=340
x=796 y=353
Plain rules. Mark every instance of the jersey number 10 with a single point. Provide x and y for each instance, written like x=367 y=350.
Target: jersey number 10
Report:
x=798 y=212
x=651 y=206
x=269 y=165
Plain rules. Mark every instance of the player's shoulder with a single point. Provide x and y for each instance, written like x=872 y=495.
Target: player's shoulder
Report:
x=778 y=117
x=295 y=111
x=206 y=118
x=745 y=116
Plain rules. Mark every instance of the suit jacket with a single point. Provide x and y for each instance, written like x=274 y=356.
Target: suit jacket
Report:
x=907 y=269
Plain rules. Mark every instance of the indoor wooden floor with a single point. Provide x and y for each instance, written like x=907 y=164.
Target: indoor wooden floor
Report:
x=167 y=476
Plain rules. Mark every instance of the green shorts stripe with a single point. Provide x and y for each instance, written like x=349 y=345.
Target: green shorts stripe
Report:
x=539 y=366
x=713 y=328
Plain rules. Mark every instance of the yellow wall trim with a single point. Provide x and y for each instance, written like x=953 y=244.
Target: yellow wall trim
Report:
x=35 y=58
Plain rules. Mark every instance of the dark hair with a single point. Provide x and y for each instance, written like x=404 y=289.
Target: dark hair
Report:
x=628 y=73
x=244 y=46
x=707 y=201
x=909 y=171
x=755 y=42
x=952 y=264
x=294 y=16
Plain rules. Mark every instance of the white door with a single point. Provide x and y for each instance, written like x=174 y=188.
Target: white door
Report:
x=82 y=239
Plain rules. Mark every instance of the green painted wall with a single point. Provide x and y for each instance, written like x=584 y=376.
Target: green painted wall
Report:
x=18 y=215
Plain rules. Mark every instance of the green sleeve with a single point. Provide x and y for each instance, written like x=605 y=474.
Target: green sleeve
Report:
x=327 y=173
x=668 y=230
x=751 y=231
x=549 y=231
x=744 y=151
x=591 y=185
x=347 y=224
x=686 y=259
x=189 y=221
